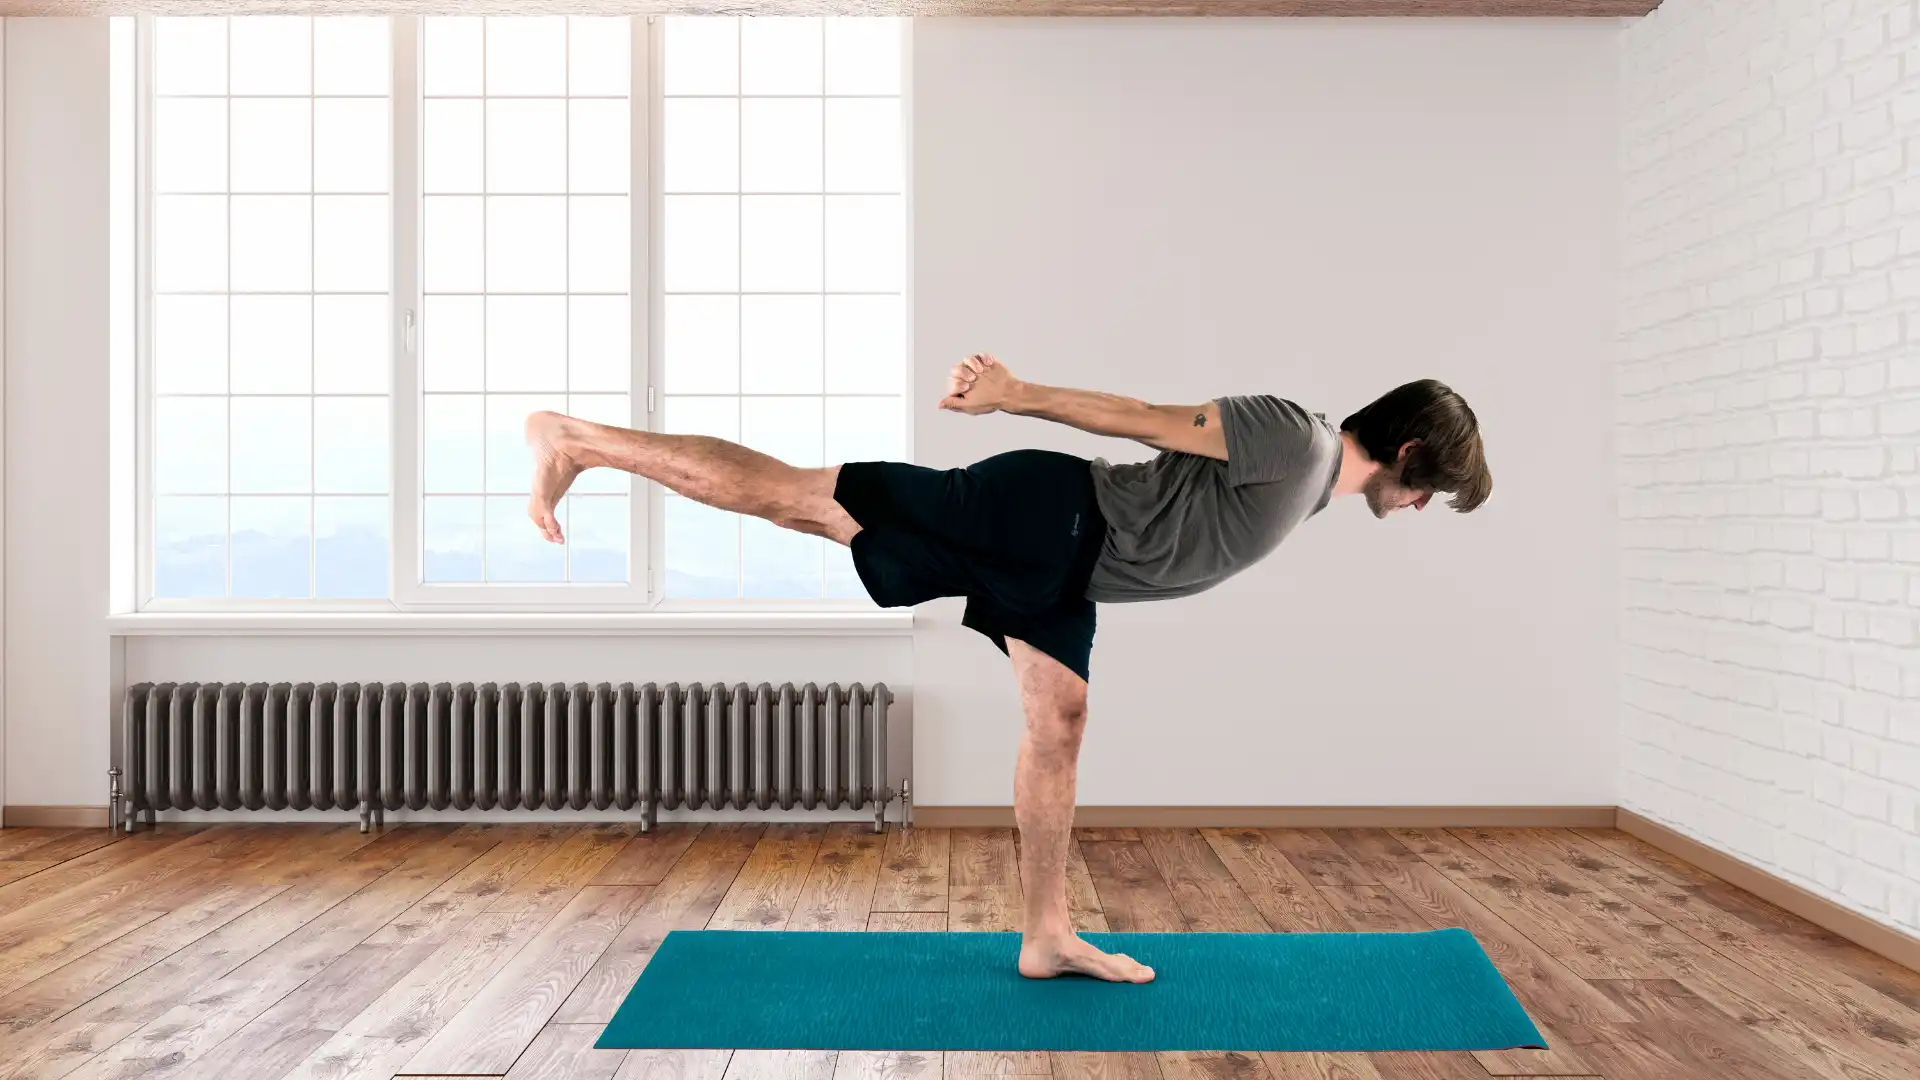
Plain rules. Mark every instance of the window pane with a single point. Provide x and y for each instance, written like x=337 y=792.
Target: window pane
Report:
x=352 y=346
x=703 y=55
x=527 y=343
x=271 y=55
x=189 y=547
x=272 y=243
x=190 y=446
x=272 y=539
x=272 y=339
x=350 y=548
x=527 y=243
x=452 y=538
x=613 y=410
x=516 y=552
x=703 y=551
x=455 y=447
x=509 y=461
x=780 y=56
x=189 y=145
x=843 y=581
x=780 y=243
x=454 y=133
x=599 y=245
x=454 y=243
x=350 y=145
x=189 y=243
x=865 y=429
x=702 y=243
x=780 y=347
x=863 y=145
x=778 y=563
x=350 y=454
x=453 y=342
x=351 y=55
x=786 y=428
x=526 y=147
x=715 y=416
x=701 y=149
x=190 y=57
x=272 y=450
x=865 y=243
x=453 y=49
x=599 y=145
x=272 y=144
x=866 y=345
x=190 y=344
x=780 y=142
x=599 y=350
x=526 y=54
x=596 y=531
x=597 y=55
x=350 y=243
x=703 y=344
x=863 y=56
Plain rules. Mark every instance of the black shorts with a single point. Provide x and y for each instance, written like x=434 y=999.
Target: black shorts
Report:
x=1016 y=534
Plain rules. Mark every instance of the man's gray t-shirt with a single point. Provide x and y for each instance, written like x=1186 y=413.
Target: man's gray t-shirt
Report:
x=1182 y=523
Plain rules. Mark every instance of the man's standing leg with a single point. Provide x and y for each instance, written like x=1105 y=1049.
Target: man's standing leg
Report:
x=1055 y=699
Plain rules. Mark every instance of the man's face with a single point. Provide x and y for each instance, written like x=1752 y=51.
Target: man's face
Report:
x=1385 y=494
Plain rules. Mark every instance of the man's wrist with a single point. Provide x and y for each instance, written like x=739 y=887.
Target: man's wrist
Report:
x=1019 y=400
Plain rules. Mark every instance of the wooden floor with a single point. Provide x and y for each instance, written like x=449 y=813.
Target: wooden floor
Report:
x=267 y=951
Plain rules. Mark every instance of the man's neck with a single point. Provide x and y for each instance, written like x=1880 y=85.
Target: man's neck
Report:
x=1355 y=467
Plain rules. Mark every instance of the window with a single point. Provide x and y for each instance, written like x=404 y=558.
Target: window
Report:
x=367 y=248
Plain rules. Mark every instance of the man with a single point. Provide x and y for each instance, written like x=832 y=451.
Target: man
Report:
x=1034 y=539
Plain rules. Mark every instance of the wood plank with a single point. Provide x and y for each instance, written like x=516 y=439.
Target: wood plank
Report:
x=17 y=841
x=984 y=908
x=983 y=857
x=565 y=1052
x=1424 y=1065
x=1098 y=834
x=1079 y=1066
x=768 y=886
x=1373 y=909
x=100 y=885
x=494 y=1028
x=1132 y=893
x=1318 y=1066
x=998 y=1063
x=479 y=885
x=578 y=861
x=180 y=1035
x=888 y=1065
x=69 y=844
x=838 y=894
x=1318 y=858
x=1283 y=896
x=141 y=846
x=1693 y=1030
x=1206 y=894
x=781 y=1065
x=674 y=1065
x=685 y=900
x=381 y=1038
x=649 y=857
x=1212 y=1065
x=914 y=871
x=907 y=921
x=1083 y=899
x=12 y=870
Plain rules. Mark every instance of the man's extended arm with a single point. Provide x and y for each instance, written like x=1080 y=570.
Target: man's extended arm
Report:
x=982 y=384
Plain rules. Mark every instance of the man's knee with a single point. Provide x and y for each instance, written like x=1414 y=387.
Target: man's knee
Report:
x=1059 y=722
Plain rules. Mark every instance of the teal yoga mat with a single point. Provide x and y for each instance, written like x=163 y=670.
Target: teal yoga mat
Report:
x=723 y=989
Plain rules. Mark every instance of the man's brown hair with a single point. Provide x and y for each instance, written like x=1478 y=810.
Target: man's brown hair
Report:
x=1449 y=456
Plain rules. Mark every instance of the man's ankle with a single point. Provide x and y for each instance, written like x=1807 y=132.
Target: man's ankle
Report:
x=1046 y=930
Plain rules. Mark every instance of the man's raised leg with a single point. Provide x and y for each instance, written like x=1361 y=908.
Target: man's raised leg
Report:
x=1043 y=792
x=713 y=471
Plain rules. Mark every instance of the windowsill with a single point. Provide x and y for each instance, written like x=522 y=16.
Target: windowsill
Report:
x=515 y=624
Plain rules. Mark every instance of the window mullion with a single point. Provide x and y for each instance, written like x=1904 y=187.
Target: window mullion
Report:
x=405 y=419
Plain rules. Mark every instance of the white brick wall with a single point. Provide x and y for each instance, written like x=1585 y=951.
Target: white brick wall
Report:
x=1769 y=417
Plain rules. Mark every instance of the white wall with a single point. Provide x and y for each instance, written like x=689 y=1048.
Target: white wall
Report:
x=1177 y=210
x=1769 y=422
x=56 y=411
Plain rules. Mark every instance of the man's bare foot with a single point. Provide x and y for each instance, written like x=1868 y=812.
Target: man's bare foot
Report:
x=1044 y=958
x=553 y=471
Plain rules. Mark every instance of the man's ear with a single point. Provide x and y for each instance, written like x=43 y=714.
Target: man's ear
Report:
x=1405 y=449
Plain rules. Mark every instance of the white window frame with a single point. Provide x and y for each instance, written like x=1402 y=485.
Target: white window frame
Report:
x=646 y=502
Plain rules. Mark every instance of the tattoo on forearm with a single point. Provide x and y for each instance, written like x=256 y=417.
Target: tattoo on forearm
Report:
x=1199 y=419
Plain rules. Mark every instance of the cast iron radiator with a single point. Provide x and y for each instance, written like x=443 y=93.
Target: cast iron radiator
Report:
x=384 y=746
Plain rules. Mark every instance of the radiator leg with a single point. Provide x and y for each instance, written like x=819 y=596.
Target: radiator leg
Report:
x=153 y=818
x=646 y=815
x=366 y=815
x=379 y=815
